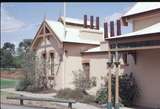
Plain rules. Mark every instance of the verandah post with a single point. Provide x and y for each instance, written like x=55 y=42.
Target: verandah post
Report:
x=109 y=63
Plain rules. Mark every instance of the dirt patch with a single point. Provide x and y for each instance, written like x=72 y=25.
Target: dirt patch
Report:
x=17 y=74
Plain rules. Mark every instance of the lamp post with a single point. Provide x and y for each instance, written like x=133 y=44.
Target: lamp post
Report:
x=109 y=64
x=117 y=63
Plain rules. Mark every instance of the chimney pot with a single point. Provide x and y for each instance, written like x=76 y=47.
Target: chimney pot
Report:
x=118 y=27
x=97 y=23
x=111 y=28
x=105 y=30
x=91 y=22
x=85 y=21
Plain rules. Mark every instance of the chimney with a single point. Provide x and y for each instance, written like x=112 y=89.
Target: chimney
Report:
x=111 y=28
x=118 y=27
x=105 y=30
x=97 y=23
x=91 y=22
x=85 y=21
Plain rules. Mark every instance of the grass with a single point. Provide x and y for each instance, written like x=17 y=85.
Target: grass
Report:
x=8 y=83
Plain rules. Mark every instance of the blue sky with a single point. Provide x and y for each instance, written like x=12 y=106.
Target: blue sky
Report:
x=21 y=20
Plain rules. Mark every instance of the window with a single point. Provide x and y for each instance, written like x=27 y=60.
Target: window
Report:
x=136 y=44
x=46 y=30
x=44 y=55
x=86 y=69
x=52 y=63
x=52 y=55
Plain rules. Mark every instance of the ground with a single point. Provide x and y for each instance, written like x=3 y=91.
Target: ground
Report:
x=8 y=83
x=6 y=106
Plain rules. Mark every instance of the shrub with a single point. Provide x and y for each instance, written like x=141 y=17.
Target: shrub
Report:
x=76 y=94
x=101 y=96
x=82 y=82
x=128 y=92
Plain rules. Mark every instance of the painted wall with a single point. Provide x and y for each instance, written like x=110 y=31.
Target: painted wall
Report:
x=147 y=69
x=99 y=69
x=52 y=45
x=143 y=22
x=73 y=61
x=147 y=73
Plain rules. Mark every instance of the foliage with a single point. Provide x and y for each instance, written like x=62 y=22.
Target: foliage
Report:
x=6 y=59
x=76 y=94
x=35 y=73
x=129 y=90
x=101 y=96
x=28 y=66
x=24 y=46
x=22 y=49
x=9 y=47
x=82 y=82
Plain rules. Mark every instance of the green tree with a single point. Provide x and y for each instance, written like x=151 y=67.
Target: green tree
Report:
x=6 y=55
x=9 y=47
x=24 y=45
x=6 y=59
x=22 y=49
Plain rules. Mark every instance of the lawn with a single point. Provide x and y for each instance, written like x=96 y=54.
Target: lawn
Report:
x=8 y=83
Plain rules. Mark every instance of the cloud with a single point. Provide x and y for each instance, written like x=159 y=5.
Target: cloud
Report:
x=9 y=23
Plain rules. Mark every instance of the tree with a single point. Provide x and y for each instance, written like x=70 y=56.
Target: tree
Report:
x=6 y=55
x=22 y=49
x=9 y=47
x=24 y=45
x=35 y=76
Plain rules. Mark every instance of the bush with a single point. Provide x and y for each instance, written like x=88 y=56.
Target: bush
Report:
x=76 y=94
x=128 y=92
x=82 y=82
x=101 y=96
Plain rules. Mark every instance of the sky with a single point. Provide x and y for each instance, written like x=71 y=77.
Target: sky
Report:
x=21 y=20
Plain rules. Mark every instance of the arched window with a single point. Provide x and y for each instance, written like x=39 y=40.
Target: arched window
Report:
x=51 y=54
x=44 y=55
x=86 y=69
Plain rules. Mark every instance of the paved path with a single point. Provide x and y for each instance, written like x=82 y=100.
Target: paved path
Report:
x=6 y=106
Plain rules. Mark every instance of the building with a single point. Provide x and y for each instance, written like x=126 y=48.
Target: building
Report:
x=141 y=48
x=74 y=44
x=62 y=45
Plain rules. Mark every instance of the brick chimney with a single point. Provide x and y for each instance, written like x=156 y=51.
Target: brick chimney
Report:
x=91 y=22
x=85 y=21
x=112 y=29
x=105 y=30
x=118 y=27
x=97 y=23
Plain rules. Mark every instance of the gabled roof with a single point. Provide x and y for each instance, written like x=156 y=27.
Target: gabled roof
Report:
x=73 y=20
x=72 y=35
x=146 y=31
x=142 y=7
